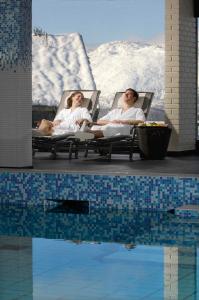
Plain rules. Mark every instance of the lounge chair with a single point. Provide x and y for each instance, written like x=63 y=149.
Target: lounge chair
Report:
x=50 y=143
x=121 y=144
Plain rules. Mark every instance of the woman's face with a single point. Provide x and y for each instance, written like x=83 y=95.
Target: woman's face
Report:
x=77 y=99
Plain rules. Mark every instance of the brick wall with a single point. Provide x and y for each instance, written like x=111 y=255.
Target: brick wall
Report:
x=181 y=73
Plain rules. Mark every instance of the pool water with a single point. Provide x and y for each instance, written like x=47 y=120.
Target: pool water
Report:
x=113 y=255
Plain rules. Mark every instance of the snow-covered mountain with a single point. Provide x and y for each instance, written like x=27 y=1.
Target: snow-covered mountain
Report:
x=122 y=64
x=61 y=62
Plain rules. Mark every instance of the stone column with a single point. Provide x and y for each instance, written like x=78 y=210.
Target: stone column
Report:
x=15 y=83
x=181 y=73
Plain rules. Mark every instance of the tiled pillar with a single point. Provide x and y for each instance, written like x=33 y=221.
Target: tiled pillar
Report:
x=180 y=273
x=181 y=73
x=15 y=83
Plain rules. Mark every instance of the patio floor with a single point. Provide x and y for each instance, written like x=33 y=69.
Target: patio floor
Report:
x=187 y=165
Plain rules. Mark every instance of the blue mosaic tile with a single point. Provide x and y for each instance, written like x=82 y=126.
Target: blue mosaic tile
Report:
x=102 y=191
x=15 y=32
x=136 y=227
x=188 y=214
x=190 y=211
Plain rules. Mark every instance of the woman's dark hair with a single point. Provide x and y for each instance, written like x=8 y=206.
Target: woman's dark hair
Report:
x=70 y=99
x=135 y=94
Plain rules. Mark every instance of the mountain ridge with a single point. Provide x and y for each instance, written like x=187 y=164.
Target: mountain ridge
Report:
x=61 y=63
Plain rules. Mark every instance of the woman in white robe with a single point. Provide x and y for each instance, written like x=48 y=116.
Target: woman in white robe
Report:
x=68 y=120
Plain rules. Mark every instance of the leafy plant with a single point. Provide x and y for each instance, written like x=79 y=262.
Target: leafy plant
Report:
x=39 y=31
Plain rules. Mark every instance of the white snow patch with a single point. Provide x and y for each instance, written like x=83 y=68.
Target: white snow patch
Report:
x=122 y=64
x=59 y=63
x=119 y=65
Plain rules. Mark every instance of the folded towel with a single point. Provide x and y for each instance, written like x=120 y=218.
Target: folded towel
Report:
x=84 y=136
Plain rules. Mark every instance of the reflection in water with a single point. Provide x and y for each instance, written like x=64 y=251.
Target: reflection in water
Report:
x=129 y=246
x=16 y=268
x=180 y=273
x=97 y=263
x=125 y=227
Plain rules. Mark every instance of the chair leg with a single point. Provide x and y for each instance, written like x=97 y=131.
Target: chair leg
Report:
x=53 y=152
x=76 y=150
x=70 y=152
x=131 y=153
x=86 y=151
x=53 y=155
x=142 y=156
x=110 y=152
x=33 y=152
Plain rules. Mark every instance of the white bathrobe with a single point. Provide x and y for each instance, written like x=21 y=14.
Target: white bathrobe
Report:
x=69 y=119
x=118 y=114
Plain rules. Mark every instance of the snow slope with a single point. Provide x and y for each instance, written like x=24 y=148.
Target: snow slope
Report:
x=122 y=64
x=59 y=62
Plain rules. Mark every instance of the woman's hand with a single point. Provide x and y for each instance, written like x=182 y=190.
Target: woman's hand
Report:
x=55 y=123
x=81 y=121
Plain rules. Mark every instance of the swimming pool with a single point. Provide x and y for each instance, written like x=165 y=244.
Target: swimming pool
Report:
x=96 y=254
